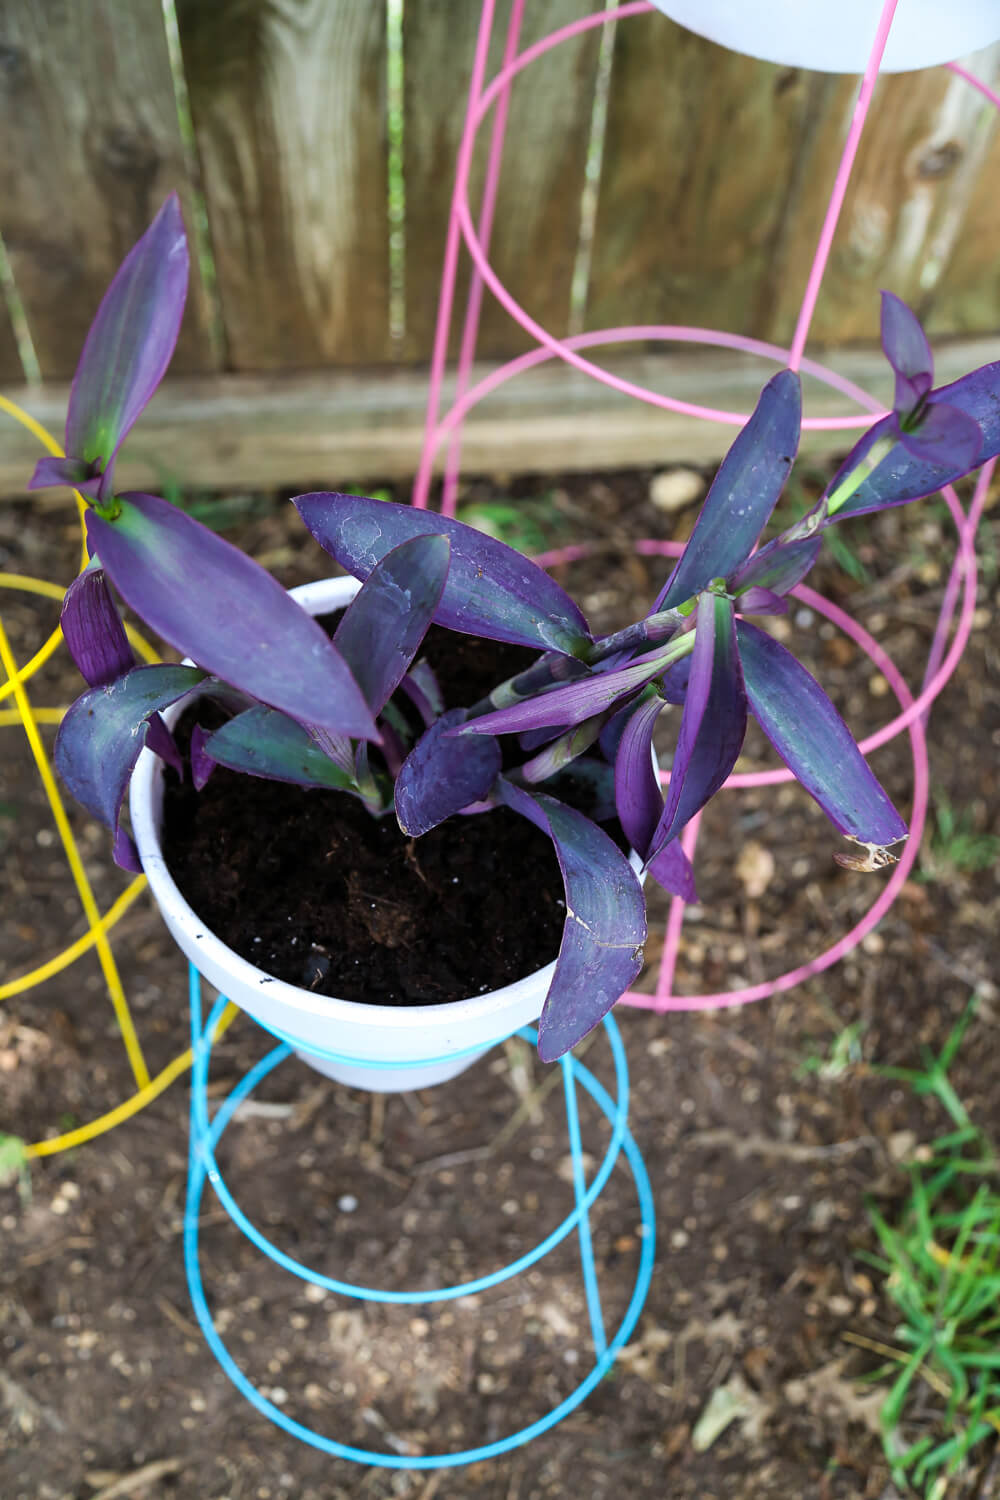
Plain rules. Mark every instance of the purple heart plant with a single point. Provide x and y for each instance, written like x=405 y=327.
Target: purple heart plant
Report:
x=326 y=713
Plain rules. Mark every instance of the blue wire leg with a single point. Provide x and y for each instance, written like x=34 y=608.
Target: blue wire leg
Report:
x=202 y=1167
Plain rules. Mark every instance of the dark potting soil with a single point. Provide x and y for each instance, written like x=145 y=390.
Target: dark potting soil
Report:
x=310 y=887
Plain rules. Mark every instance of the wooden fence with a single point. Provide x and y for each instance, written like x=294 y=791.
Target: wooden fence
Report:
x=309 y=325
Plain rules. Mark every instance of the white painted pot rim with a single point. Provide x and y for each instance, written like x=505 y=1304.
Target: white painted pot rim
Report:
x=837 y=37
x=444 y=1037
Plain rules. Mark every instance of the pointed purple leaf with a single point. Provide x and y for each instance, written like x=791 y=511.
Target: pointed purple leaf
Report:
x=130 y=342
x=75 y=472
x=202 y=764
x=491 y=590
x=601 y=949
x=381 y=630
x=943 y=435
x=903 y=475
x=125 y=853
x=162 y=743
x=424 y=691
x=571 y=704
x=211 y=602
x=264 y=742
x=102 y=733
x=743 y=494
x=442 y=774
x=778 y=567
x=713 y=722
x=762 y=602
x=640 y=802
x=813 y=740
x=907 y=350
x=92 y=627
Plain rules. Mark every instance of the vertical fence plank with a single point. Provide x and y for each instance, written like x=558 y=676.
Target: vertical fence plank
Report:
x=537 y=222
x=699 y=161
x=915 y=177
x=91 y=146
x=288 y=100
x=11 y=371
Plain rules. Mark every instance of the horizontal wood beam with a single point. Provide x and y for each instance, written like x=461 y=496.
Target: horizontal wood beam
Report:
x=329 y=429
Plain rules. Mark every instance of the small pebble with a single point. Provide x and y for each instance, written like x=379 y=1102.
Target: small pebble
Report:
x=675 y=489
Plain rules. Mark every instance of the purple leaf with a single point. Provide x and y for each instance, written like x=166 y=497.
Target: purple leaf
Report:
x=162 y=743
x=442 y=774
x=124 y=852
x=743 y=494
x=76 y=472
x=587 y=784
x=263 y=742
x=570 y=704
x=102 y=733
x=381 y=630
x=491 y=590
x=202 y=764
x=601 y=949
x=756 y=601
x=424 y=691
x=907 y=350
x=778 y=567
x=904 y=475
x=942 y=434
x=813 y=740
x=640 y=802
x=713 y=722
x=93 y=630
x=211 y=602
x=130 y=343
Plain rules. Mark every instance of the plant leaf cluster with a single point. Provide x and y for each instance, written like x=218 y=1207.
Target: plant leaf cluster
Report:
x=362 y=714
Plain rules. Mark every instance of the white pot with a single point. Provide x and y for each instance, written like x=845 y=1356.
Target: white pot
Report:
x=837 y=37
x=383 y=1048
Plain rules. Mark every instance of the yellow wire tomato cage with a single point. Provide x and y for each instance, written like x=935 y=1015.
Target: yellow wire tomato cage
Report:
x=16 y=708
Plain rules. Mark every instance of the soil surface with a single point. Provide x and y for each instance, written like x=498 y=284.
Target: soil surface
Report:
x=762 y=1130
x=305 y=884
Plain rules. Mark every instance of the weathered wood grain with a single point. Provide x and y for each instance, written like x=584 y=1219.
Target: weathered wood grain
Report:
x=11 y=371
x=699 y=162
x=334 y=428
x=91 y=147
x=921 y=161
x=537 y=221
x=288 y=100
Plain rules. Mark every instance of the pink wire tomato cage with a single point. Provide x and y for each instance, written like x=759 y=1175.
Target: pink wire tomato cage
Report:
x=444 y=427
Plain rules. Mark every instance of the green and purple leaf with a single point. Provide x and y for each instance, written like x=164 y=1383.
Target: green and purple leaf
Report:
x=778 y=567
x=75 y=472
x=93 y=630
x=380 y=632
x=491 y=590
x=211 y=602
x=813 y=740
x=263 y=742
x=130 y=343
x=713 y=721
x=571 y=703
x=743 y=494
x=905 y=474
x=103 y=732
x=444 y=773
x=602 y=944
x=639 y=800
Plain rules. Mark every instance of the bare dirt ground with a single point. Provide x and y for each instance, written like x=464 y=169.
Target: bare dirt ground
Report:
x=760 y=1157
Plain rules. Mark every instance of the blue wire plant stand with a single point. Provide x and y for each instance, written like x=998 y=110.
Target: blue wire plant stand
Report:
x=203 y=1166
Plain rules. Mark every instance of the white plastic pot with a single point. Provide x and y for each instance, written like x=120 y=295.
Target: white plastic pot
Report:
x=382 y=1048
x=835 y=36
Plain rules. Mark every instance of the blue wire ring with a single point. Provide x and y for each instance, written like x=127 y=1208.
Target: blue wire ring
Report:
x=202 y=1164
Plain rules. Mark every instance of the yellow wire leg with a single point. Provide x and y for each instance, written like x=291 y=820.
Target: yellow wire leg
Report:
x=131 y=1106
x=80 y=880
x=75 y=950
